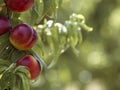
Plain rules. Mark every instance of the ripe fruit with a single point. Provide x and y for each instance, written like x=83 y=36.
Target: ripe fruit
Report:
x=32 y=64
x=19 y=5
x=4 y=25
x=23 y=37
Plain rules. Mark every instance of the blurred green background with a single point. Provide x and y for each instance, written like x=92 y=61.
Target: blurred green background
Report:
x=97 y=67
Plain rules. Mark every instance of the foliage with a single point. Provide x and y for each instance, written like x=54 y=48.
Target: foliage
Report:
x=54 y=39
x=98 y=64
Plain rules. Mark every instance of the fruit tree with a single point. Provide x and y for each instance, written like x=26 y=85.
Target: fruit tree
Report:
x=31 y=39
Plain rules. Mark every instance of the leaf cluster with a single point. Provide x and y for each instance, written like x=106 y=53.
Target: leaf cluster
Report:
x=54 y=38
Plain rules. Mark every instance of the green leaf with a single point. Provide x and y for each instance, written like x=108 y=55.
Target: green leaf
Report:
x=34 y=15
x=5 y=46
x=7 y=81
x=22 y=69
x=4 y=37
x=4 y=62
x=17 y=55
x=12 y=81
x=3 y=65
x=2 y=69
x=15 y=19
x=25 y=81
x=24 y=76
x=51 y=7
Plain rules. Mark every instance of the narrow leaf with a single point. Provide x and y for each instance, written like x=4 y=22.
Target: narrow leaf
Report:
x=25 y=81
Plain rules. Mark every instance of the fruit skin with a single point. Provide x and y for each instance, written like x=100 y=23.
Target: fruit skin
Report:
x=19 y=5
x=23 y=37
x=32 y=64
x=4 y=25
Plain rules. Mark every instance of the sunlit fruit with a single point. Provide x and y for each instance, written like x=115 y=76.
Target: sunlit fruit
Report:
x=4 y=25
x=23 y=37
x=32 y=64
x=19 y=5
